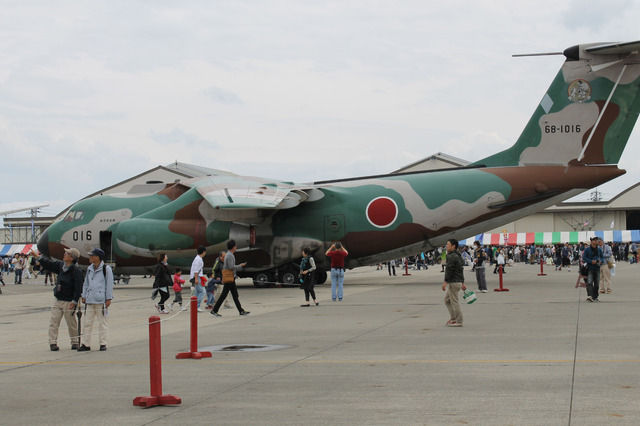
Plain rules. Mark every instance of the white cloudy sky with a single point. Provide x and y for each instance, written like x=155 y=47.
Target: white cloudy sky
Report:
x=94 y=92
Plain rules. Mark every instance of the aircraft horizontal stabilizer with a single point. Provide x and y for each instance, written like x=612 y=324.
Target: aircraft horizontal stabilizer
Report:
x=615 y=48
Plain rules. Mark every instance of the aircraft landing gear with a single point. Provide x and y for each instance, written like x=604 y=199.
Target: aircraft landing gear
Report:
x=263 y=279
x=288 y=276
x=321 y=276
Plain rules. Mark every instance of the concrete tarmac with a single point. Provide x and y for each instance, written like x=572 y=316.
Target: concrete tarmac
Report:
x=536 y=355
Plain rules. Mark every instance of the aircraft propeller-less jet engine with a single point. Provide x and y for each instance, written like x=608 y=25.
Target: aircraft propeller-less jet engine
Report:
x=572 y=143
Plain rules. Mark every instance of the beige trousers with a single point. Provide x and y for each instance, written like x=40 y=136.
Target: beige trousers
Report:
x=61 y=309
x=92 y=312
x=605 y=277
x=452 y=301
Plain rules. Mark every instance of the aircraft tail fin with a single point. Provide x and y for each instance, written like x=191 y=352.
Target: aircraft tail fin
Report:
x=586 y=115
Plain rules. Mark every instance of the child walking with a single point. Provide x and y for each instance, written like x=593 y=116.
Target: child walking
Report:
x=178 y=282
x=211 y=287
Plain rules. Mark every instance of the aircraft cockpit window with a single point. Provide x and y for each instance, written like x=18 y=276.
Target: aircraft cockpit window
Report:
x=73 y=216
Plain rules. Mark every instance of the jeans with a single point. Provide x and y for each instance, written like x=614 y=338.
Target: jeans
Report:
x=200 y=291
x=210 y=299
x=593 y=283
x=18 y=277
x=480 y=278
x=337 y=278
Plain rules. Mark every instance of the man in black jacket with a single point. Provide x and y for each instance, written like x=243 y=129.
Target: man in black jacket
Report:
x=453 y=282
x=67 y=292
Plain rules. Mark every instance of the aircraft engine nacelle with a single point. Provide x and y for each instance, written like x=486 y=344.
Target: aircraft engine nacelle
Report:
x=178 y=238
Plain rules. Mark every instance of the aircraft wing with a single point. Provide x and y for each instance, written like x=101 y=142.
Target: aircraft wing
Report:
x=243 y=193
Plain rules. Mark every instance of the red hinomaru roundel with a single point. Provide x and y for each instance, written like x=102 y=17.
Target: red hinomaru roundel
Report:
x=382 y=212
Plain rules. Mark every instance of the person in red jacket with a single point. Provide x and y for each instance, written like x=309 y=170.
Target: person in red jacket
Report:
x=178 y=282
x=337 y=253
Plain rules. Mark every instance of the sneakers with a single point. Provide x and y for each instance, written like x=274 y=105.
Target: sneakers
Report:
x=201 y=310
x=215 y=314
x=164 y=312
x=454 y=324
x=184 y=308
x=103 y=348
x=170 y=306
x=245 y=313
x=158 y=308
x=484 y=291
x=589 y=299
x=608 y=290
x=54 y=347
x=83 y=348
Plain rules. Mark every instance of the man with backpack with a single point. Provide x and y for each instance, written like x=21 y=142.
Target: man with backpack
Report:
x=97 y=292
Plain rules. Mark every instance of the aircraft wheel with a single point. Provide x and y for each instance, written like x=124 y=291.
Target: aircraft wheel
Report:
x=263 y=279
x=288 y=276
x=321 y=276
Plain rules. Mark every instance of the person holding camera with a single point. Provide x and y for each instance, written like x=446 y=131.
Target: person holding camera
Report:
x=593 y=258
x=337 y=253
x=67 y=292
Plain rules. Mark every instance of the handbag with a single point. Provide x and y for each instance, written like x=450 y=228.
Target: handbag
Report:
x=227 y=276
x=469 y=296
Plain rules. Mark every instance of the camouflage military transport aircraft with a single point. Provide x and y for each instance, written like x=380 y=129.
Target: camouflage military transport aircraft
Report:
x=572 y=143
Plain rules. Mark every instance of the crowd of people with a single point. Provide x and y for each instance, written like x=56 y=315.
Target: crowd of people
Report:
x=595 y=263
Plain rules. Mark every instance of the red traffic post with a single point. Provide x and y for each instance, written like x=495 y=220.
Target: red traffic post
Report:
x=541 y=267
x=193 y=350
x=155 y=367
x=501 y=288
x=406 y=268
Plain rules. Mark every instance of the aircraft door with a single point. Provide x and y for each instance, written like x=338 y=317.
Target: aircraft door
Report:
x=334 y=227
x=106 y=245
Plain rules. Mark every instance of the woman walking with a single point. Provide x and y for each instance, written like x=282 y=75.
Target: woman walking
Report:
x=307 y=266
x=162 y=282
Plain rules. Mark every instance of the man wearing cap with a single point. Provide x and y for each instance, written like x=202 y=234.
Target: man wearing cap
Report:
x=593 y=258
x=97 y=292
x=67 y=293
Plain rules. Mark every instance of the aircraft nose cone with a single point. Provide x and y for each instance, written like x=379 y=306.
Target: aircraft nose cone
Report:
x=43 y=244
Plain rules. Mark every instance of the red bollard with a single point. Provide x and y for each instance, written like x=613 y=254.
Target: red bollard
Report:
x=406 y=268
x=155 y=367
x=541 y=268
x=193 y=352
x=501 y=288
